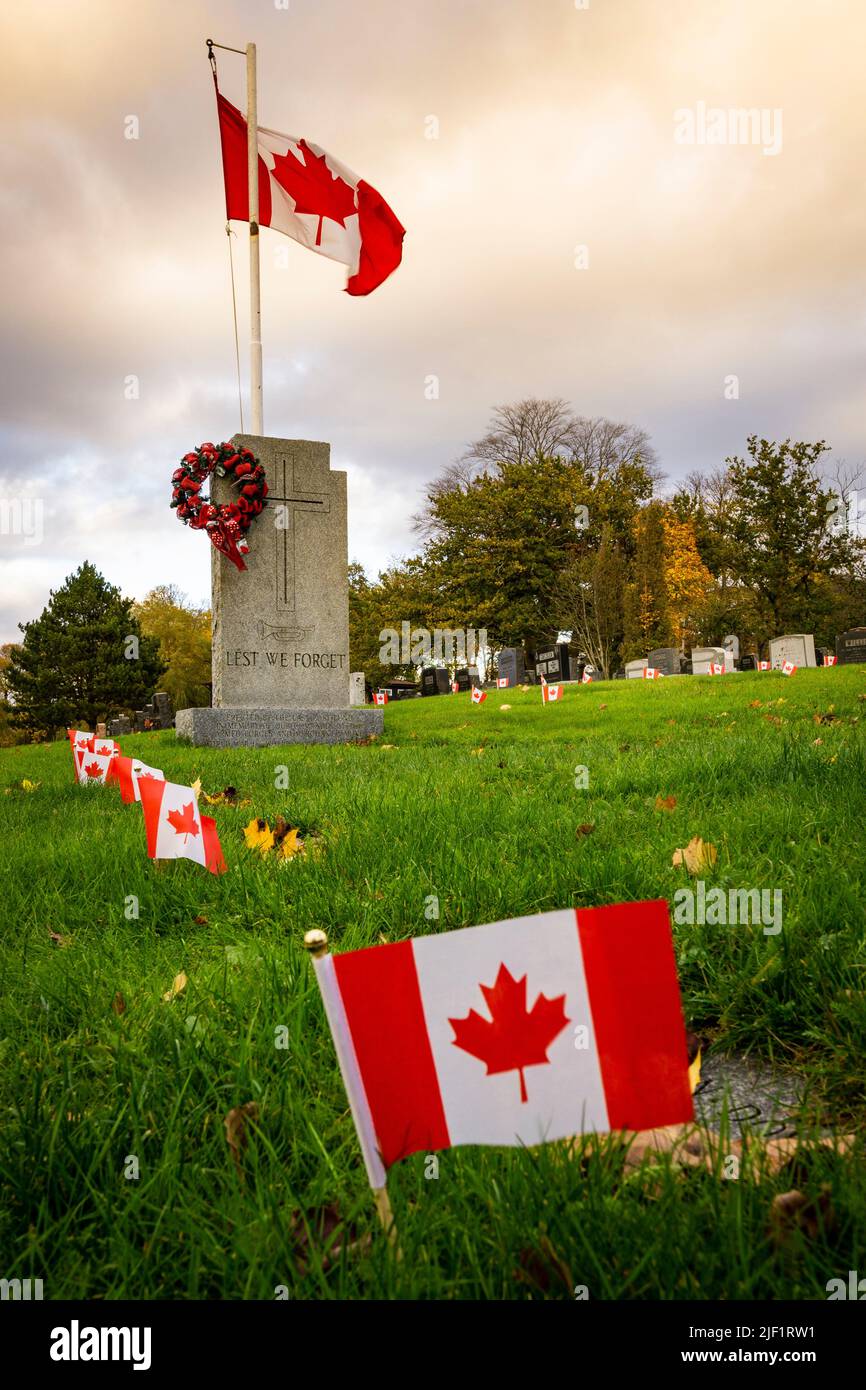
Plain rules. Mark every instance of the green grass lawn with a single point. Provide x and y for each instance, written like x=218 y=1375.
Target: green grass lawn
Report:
x=478 y=806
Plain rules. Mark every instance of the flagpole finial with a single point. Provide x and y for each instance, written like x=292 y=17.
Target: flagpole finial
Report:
x=316 y=942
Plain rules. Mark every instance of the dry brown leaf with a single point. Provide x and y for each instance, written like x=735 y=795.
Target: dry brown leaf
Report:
x=178 y=984
x=584 y=830
x=58 y=939
x=773 y=719
x=542 y=1267
x=665 y=803
x=602 y=707
x=236 y=1130
x=794 y=1211
x=698 y=856
x=754 y=704
x=118 y=1004
x=200 y=921
x=196 y=787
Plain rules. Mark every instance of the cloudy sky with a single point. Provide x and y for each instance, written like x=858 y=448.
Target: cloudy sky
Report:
x=556 y=130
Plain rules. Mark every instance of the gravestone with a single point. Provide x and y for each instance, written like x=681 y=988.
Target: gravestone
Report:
x=463 y=680
x=666 y=660
x=511 y=665
x=553 y=663
x=851 y=646
x=731 y=644
x=120 y=726
x=435 y=681
x=281 y=626
x=357 y=688
x=798 y=647
x=705 y=657
x=634 y=669
x=163 y=715
x=749 y=663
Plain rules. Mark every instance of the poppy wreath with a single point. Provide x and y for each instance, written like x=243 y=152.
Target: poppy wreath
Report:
x=227 y=525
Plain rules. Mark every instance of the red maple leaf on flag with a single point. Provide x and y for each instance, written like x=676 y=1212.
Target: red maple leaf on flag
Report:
x=314 y=188
x=143 y=776
x=513 y=1038
x=184 y=822
x=93 y=770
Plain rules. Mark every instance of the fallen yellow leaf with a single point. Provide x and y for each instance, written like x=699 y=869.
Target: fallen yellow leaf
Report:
x=178 y=984
x=255 y=832
x=697 y=856
x=665 y=803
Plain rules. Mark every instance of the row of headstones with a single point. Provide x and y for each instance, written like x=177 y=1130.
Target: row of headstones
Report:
x=798 y=648
x=157 y=715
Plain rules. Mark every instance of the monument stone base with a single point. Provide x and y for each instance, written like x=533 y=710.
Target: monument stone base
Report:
x=229 y=727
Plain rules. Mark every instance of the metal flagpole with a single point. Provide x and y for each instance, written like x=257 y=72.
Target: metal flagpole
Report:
x=255 y=285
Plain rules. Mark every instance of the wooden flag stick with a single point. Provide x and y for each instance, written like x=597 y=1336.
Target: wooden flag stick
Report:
x=316 y=942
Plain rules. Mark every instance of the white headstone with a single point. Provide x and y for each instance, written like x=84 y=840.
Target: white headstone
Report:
x=798 y=647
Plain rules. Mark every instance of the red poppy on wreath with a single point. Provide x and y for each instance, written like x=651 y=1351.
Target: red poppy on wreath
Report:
x=227 y=525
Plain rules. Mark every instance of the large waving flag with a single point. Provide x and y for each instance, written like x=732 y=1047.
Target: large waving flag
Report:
x=516 y=1033
x=313 y=198
x=175 y=827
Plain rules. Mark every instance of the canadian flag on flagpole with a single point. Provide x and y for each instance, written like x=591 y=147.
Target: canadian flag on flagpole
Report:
x=93 y=767
x=175 y=827
x=788 y=668
x=478 y=696
x=380 y=697
x=313 y=198
x=516 y=1033
x=127 y=771
x=550 y=693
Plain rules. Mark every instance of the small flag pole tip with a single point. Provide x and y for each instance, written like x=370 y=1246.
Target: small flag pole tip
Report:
x=316 y=942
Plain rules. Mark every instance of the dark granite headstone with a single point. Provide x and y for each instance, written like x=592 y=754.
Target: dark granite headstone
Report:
x=851 y=646
x=554 y=663
x=512 y=665
x=463 y=680
x=435 y=681
x=666 y=660
x=748 y=663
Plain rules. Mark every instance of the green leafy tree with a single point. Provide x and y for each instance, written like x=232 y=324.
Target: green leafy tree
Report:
x=784 y=551
x=591 y=590
x=184 y=636
x=77 y=664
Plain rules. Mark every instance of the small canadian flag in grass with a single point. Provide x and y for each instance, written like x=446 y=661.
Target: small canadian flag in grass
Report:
x=788 y=668
x=127 y=771
x=651 y=674
x=716 y=669
x=105 y=745
x=586 y=678
x=478 y=696
x=515 y=1033
x=175 y=827
x=93 y=768
x=80 y=742
x=829 y=661
x=550 y=693
x=502 y=682
x=380 y=697
x=763 y=665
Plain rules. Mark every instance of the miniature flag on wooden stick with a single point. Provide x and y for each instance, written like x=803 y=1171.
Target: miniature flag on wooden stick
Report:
x=550 y=693
x=502 y=682
x=586 y=678
x=127 y=771
x=788 y=668
x=175 y=827
x=93 y=768
x=478 y=696
x=716 y=669
x=80 y=743
x=651 y=674
x=516 y=1033
x=380 y=697
x=763 y=666
x=829 y=660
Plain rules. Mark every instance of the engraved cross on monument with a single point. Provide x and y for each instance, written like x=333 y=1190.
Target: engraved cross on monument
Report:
x=281 y=626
